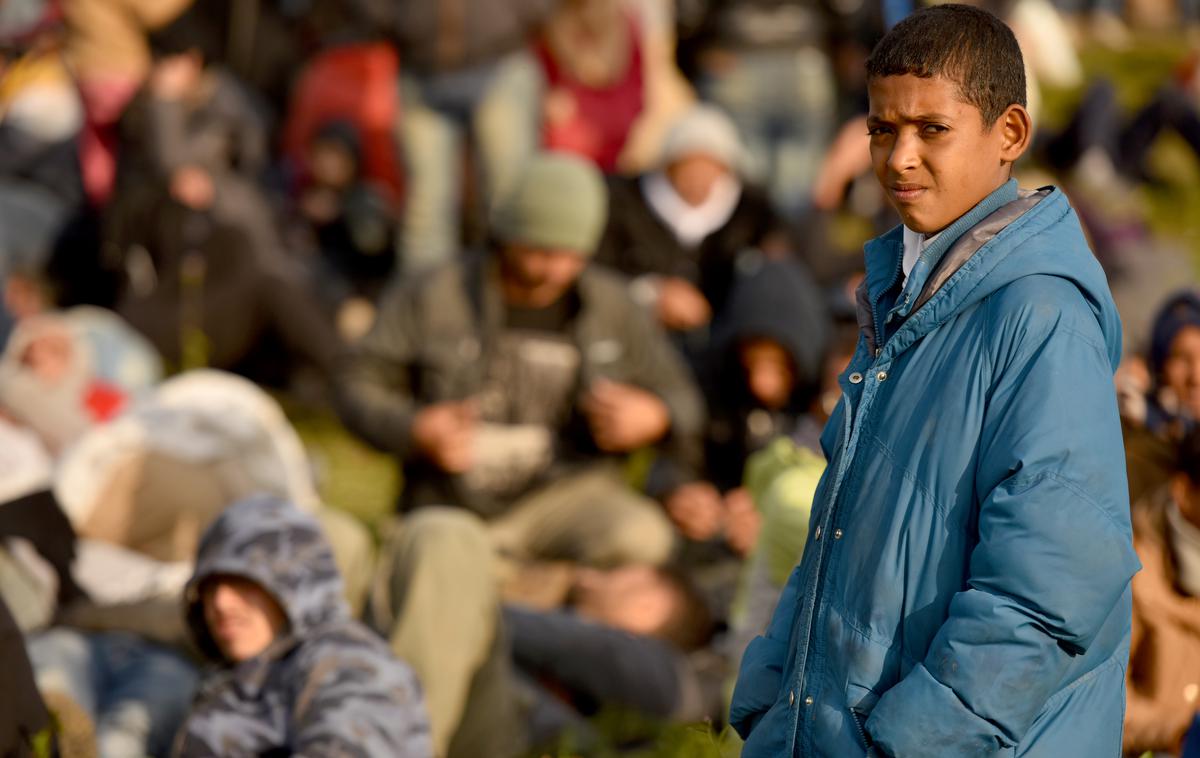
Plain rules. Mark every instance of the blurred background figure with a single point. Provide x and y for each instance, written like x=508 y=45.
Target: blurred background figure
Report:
x=108 y=49
x=281 y=634
x=684 y=232
x=767 y=63
x=592 y=58
x=468 y=71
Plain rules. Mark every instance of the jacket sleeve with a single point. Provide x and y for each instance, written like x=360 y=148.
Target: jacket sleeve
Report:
x=656 y=366
x=356 y=702
x=1055 y=553
x=373 y=391
x=166 y=138
x=601 y=663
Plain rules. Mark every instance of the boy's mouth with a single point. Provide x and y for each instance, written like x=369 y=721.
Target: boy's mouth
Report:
x=906 y=193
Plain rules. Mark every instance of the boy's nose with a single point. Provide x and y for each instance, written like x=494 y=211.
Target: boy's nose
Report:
x=905 y=155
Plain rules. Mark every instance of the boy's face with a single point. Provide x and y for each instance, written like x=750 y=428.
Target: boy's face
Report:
x=1181 y=370
x=932 y=152
x=694 y=177
x=242 y=617
x=634 y=599
x=332 y=164
x=768 y=369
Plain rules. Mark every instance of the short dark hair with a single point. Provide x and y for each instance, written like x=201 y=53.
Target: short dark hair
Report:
x=968 y=46
x=1187 y=456
x=191 y=31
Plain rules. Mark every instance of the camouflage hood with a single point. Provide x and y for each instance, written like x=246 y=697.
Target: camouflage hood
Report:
x=282 y=549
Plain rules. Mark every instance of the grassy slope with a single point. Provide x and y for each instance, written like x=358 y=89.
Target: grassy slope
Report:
x=1174 y=207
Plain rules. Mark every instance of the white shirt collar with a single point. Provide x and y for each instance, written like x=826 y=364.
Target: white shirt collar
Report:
x=914 y=244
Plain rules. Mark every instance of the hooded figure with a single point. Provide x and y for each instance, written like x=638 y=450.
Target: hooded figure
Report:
x=325 y=685
x=777 y=304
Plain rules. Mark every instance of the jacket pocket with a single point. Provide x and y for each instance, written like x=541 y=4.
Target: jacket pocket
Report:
x=860 y=701
x=758 y=684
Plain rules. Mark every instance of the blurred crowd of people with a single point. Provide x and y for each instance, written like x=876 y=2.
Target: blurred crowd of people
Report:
x=584 y=268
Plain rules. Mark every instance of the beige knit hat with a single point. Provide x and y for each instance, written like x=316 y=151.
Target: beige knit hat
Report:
x=559 y=203
x=704 y=130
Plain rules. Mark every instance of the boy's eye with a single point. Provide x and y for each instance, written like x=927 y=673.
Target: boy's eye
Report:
x=875 y=131
x=934 y=129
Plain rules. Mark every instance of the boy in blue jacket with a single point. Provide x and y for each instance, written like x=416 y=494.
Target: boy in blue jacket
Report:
x=965 y=588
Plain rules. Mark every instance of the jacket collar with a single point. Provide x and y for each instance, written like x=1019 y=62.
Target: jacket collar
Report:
x=944 y=256
x=886 y=254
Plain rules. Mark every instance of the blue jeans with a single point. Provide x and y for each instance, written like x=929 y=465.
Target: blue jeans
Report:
x=783 y=102
x=499 y=103
x=137 y=693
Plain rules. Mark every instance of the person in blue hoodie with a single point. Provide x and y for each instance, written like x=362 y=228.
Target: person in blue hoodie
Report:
x=965 y=590
x=293 y=674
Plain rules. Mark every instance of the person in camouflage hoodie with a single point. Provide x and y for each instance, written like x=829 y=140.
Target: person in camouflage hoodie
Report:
x=294 y=675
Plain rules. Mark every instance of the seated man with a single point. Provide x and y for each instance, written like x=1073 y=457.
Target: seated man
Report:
x=508 y=385
x=297 y=675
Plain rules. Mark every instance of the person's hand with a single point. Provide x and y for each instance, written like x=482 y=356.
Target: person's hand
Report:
x=50 y=354
x=696 y=510
x=174 y=77
x=445 y=434
x=624 y=418
x=559 y=106
x=848 y=158
x=193 y=187
x=320 y=205
x=682 y=307
x=742 y=521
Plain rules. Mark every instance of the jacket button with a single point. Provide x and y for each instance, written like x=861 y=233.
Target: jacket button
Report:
x=792 y=697
x=837 y=534
x=817 y=536
x=856 y=378
x=808 y=700
x=881 y=376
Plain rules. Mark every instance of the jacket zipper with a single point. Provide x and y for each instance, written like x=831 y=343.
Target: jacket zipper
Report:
x=856 y=717
x=849 y=431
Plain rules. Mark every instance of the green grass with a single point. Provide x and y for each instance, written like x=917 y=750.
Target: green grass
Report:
x=1172 y=208
x=627 y=735
x=350 y=475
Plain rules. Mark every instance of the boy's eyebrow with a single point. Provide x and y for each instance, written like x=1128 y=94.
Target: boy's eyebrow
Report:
x=920 y=118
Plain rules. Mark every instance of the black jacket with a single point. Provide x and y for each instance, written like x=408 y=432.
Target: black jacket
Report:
x=637 y=242
x=780 y=302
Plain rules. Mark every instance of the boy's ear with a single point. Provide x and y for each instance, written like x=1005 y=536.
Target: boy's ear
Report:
x=1017 y=129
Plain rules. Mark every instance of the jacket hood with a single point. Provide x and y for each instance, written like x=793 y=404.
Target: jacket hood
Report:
x=1006 y=237
x=772 y=303
x=278 y=547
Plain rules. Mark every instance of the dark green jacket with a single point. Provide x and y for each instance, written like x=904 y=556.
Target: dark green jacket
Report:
x=430 y=344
